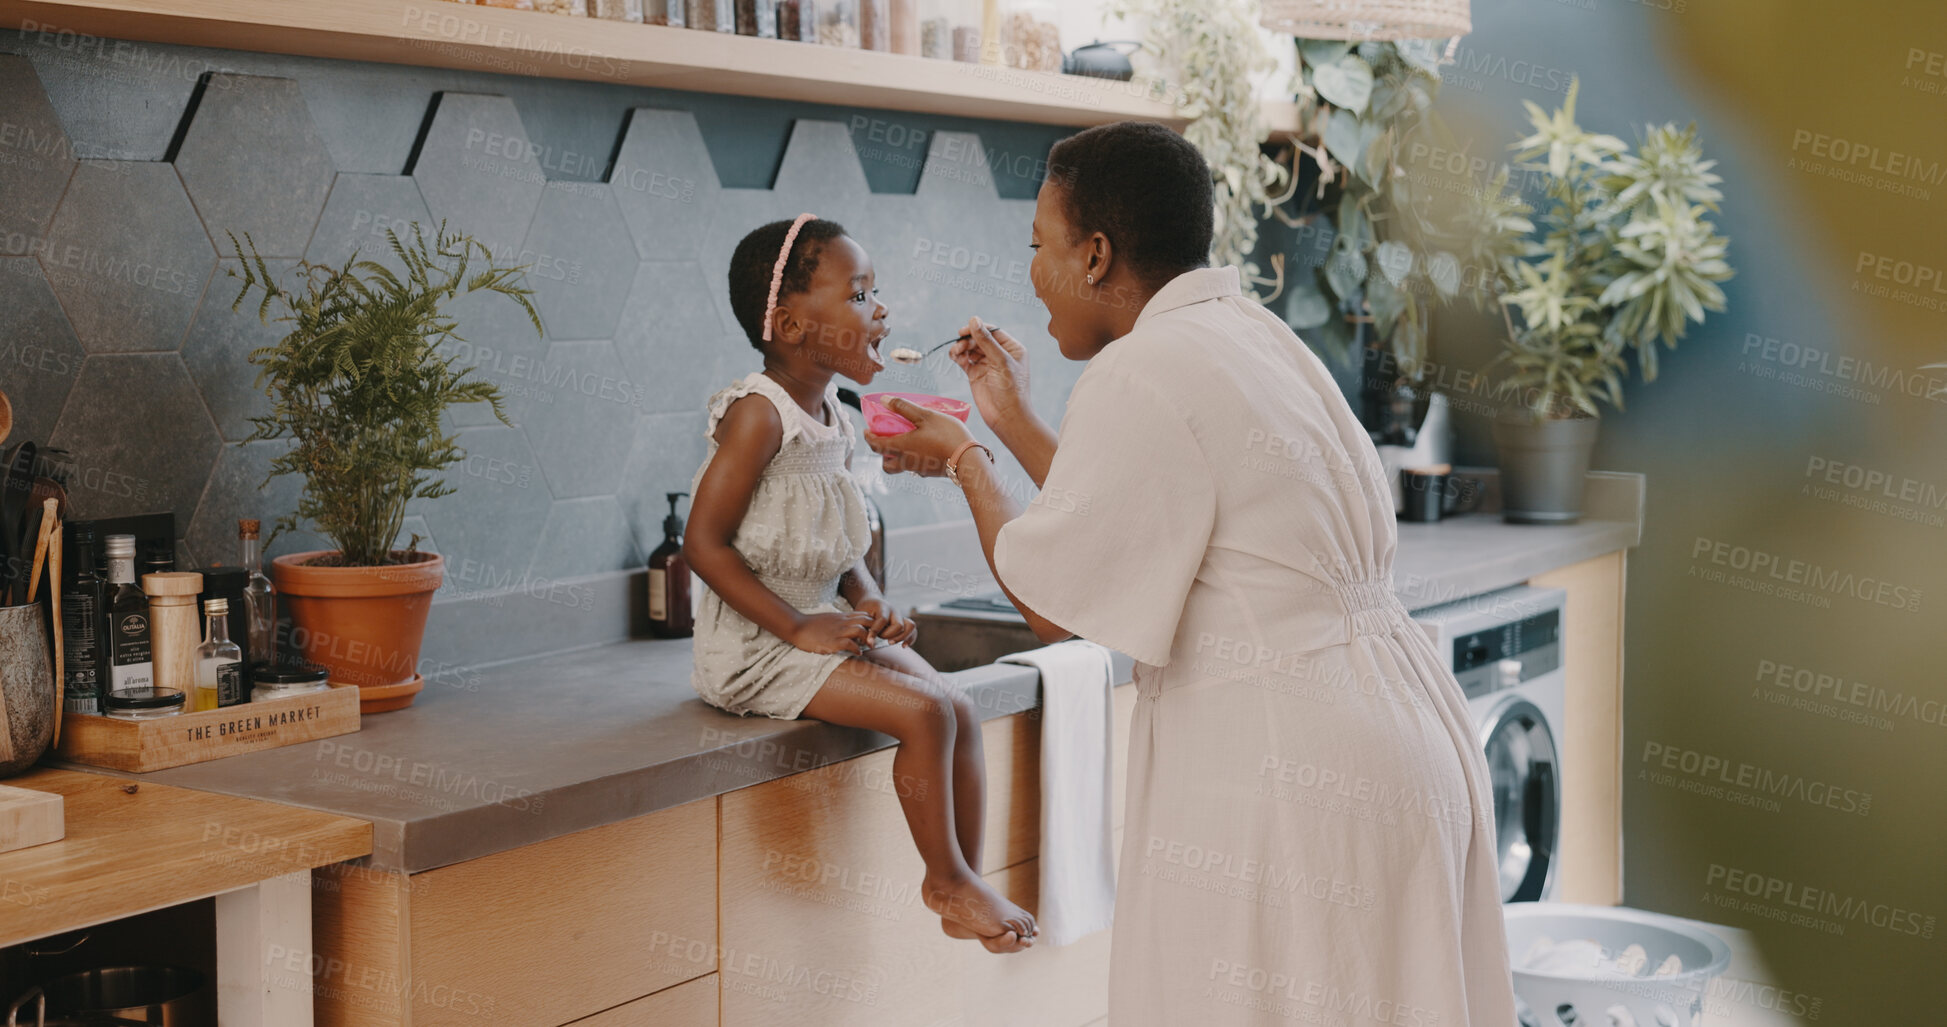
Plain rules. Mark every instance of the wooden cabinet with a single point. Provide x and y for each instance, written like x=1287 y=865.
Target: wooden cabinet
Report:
x=1591 y=746
x=535 y=936
x=821 y=913
x=692 y=1002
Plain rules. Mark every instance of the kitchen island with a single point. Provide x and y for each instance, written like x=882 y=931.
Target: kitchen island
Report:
x=578 y=838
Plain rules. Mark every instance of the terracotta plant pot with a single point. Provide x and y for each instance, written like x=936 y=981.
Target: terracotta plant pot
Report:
x=363 y=624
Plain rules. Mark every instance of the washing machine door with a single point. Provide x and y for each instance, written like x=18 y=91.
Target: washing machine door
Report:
x=1526 y=778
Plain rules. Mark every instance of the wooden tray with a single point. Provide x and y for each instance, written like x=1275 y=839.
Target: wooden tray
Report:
x=145 y=745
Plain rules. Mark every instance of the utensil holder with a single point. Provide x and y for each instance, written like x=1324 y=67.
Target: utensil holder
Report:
x=26 y=688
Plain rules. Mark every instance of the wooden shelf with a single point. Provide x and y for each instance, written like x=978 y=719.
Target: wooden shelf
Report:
x=131 y=848
x=440 y=34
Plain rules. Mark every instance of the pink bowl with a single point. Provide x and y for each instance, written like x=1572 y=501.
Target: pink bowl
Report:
x=881 y=421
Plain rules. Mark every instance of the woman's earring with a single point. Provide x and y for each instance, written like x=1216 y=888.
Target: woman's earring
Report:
x=1091 y=279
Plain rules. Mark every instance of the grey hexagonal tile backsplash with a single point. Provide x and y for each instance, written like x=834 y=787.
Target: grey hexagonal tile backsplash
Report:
x=117 y=340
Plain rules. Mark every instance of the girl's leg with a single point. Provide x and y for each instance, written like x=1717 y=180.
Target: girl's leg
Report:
x=969 y=759
x=921 y=715
x=969 y=778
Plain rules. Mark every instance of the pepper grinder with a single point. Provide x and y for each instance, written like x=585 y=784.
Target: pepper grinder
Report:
x=174 y=628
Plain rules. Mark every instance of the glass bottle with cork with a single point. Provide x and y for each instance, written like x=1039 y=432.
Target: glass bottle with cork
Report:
x=219 y=661
x=259 y=597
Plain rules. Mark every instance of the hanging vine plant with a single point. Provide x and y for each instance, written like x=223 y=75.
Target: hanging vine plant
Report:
x=1211 y=51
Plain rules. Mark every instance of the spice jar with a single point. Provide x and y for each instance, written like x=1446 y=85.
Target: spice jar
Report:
x=1031 y=36
x=904 y=19
x=797 y=20
x=175 y=629
x=935 y=29
x=663 y=12
x=616 y=10
x=571 y=8
x=142 y=702
x=281 y=680
x=875 y=25
x=711 y=15
x=838 y=24
x=757 y=18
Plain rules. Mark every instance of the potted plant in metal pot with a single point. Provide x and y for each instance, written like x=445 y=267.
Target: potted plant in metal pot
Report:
x=359 y=383
x=1628 y=259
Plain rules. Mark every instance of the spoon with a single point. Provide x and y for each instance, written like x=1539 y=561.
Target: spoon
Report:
x=903 y=355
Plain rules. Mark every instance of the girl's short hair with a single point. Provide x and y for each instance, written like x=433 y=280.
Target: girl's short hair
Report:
x=1143 y=186
x=756 y=255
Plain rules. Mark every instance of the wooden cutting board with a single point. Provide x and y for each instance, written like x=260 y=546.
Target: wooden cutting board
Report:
x=29 y=817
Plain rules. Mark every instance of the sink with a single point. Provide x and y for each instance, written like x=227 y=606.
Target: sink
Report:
x=971 y=631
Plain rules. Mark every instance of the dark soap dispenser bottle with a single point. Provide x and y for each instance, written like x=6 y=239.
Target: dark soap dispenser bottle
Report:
x=669 y=580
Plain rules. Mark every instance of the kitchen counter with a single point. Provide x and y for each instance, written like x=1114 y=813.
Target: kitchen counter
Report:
x=534 y=749
x=539 y=748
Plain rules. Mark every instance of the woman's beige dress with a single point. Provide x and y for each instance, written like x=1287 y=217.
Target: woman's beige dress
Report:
x=805 y=527
x=1309 y=831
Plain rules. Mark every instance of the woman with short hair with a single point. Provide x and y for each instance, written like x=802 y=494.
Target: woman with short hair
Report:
x=1309 y=830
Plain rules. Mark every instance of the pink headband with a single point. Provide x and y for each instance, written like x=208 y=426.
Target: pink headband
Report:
x=777 y=271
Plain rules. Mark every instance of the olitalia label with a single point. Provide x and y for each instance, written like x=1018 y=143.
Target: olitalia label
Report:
x=130 y=665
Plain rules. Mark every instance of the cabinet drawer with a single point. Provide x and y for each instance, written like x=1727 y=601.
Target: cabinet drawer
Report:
x=567 y=927
x=690 y=1004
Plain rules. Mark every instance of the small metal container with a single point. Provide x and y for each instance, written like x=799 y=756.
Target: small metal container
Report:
x=282 y=680
x=143 y=702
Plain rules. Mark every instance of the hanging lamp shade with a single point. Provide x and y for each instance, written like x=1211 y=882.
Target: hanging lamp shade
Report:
x=1367 y=19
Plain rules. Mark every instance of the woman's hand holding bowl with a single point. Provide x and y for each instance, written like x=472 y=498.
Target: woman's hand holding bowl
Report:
x=925 y=449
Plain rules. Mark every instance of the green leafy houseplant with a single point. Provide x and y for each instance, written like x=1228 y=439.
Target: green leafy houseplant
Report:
x=359 y=383
x=1398 y=246
x=1629 y=258
x=361 y=380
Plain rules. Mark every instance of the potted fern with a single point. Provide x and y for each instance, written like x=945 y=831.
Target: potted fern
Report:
x=1628 y=259
x=360 y=383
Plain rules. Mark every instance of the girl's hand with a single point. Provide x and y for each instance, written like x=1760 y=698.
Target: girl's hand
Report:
x=833 y=633
x=925 y=449
x=997 y=370
x=887 y=622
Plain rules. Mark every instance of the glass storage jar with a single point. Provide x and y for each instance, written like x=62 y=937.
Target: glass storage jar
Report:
x=664 y=12
x=797 y=20
x=143 y=702
x=616 y=10
x=711 y=15
x=277 y=681
x=515 y=5
x=904 y=21
x=571 y=8
x=757 y=18
x=1031 y=35
x=963 y=35
x=838 y=23
x=935 y=30
x=875 y=24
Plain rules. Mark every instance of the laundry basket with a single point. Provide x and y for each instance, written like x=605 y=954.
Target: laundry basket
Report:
x=1595 y=999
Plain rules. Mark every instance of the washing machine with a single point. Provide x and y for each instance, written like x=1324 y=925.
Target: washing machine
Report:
x=1505 y=649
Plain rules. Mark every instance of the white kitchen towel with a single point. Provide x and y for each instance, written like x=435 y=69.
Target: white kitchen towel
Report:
x=1077 y=854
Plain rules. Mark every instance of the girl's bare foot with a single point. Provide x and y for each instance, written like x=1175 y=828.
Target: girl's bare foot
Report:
x=999 y=944
x=975 y=906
